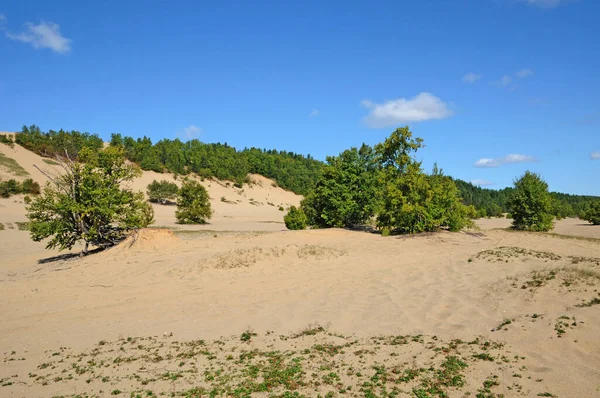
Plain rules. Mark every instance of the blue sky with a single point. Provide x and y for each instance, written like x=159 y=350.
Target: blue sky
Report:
x=495 y=87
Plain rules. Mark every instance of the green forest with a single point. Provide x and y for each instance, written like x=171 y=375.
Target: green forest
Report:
x=291 y=171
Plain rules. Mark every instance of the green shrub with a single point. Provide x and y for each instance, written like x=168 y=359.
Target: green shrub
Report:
x=193 y=204
x=162 y=191
x=593 y=214
x=6 y=139
x=531 y=204
x=87 y=202
x=30 y=186
x=295 y=219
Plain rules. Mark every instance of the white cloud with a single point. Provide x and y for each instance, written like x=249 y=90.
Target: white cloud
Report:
x=190 y=132
x=314 y=113
x=471 y=77
x=508 y=159
x=595 y=155
x=424 y=106
x=2 y=18
x=504 y=81
x=524 y=73
x=543 y=3
x=481 y=183
x=43 y=35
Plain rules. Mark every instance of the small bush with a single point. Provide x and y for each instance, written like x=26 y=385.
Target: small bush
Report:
x=295 y=219
x=162 y=191
x=13 y=187
x=193 y=204
x=5 y=139
x=281 y=208
x=593 y=214
x=30 y=186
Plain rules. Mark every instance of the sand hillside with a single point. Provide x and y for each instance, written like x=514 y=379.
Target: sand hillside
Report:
x=255 y=206
x=236 y=309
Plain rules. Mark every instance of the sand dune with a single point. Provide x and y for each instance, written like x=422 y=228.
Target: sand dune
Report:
x=253 y=207
x=313 y=312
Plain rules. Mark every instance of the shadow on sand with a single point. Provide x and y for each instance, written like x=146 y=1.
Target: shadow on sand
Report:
x=68 y=256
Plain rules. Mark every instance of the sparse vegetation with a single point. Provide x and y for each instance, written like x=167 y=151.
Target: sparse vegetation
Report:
x=12 y=166
x=299 y=365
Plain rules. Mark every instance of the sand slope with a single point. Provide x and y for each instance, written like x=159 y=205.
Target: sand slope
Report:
x=255 y=206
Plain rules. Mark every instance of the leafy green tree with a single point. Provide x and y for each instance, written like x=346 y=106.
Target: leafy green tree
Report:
x=416 y=202
x=593 y=214
x=193 y=204
x=413 y=201
x=87 y=202
x=346 y=195
x=295 y=219
x=531 y=204
x=162 y=191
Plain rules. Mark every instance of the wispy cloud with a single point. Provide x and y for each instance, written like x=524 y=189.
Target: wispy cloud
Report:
x=538 y=101
x=504 y=81
x=595 y=155
x=522 y=74
x=190 y=132
x=472 y=77
x=543 y=3
x=481 y=183
x=424 y=106
x=2 y=19
x=314 y=113
x=43 y=35
x=508 y=159
x=589 y=119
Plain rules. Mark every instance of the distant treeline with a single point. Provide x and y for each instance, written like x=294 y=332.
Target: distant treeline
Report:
x=291 y=171
x=493 y=203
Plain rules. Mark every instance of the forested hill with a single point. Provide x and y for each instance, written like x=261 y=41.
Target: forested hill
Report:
x=291 y=171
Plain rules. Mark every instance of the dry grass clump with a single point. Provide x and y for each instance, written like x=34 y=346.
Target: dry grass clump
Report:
x=505 y=253
x=565 y=276
x=11 y=165
x=319 y=252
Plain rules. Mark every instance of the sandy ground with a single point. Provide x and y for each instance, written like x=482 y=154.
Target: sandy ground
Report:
x=307 y=312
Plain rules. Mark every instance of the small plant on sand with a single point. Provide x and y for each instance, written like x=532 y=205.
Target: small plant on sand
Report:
x=295 y=219
x=505 y=322
x=193 y=205
x=163 y=192
x=247 y=335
